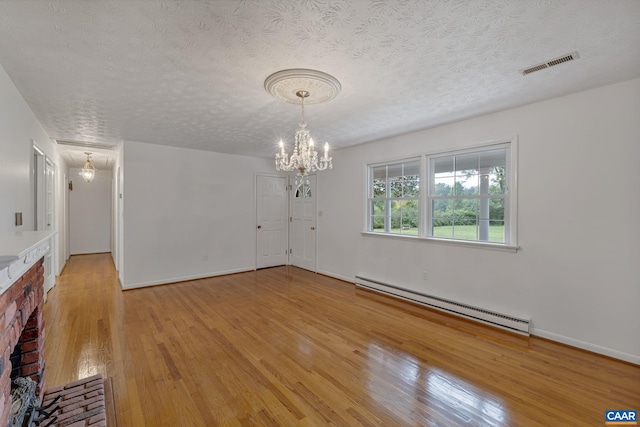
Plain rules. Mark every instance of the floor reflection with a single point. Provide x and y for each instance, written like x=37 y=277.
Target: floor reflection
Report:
x=425 y=395
x=465 y=399
x=87 y=362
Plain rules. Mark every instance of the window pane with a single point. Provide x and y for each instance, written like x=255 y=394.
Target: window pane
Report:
x=467 y=164
x=466 y=214
x=408 y=226
x=466 y=174
x=395 y=185
x=403 y=169
x=467 y=185
x=493 y=163
x=493 y=158
x=443 y=166
x=377 y=216
x=445 y=232
x=496 y=210
x=379 y=172
x=404 y=217
x=411 y=187
x=497 y=180
x=443 y=185
x=442 y=212
x=379 y=187
x=303 y=191
x=496 y=231
x=412 y=168
x=410 y=217
x=467 y=230
x=396 y=214
x=442 y=189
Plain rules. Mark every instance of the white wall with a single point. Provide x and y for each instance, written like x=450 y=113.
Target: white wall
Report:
x=576 y=273
x=187 y=213
x=19 y=130
x=90 y=213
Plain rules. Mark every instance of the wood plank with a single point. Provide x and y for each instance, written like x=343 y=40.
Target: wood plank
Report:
x=283 y=346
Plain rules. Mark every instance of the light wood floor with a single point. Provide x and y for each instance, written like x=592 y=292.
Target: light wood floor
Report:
x=283 y=346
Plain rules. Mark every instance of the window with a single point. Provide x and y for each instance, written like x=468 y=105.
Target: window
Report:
x=303 y=190
x=394 y=197
x=466 y=196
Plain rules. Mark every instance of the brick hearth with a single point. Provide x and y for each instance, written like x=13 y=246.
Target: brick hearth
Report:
x=81 y=403
x=22 y=322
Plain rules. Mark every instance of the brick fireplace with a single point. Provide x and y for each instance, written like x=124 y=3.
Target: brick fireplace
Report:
x=22 y=330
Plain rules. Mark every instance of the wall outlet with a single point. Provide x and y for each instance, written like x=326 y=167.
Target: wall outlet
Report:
x=424 y=275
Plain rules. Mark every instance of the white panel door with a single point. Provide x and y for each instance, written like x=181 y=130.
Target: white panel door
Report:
x=272 y=226
x=303 y=224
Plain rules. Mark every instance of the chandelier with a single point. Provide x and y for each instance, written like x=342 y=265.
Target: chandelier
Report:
x=304 y=158
x=88 y=170
x=302 y=86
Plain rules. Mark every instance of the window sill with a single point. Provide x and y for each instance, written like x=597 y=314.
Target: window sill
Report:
x=452 y=242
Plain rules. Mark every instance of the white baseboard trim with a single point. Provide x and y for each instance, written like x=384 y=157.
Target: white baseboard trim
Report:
x=336 y=276
x=627 y=357
x=128 y=286
x=90 y=253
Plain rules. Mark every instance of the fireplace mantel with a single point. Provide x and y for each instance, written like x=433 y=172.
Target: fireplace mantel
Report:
x=19 y=251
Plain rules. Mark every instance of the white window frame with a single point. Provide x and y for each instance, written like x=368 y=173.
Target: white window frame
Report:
x=426 y=186
x=506 y=196
x=388 y=199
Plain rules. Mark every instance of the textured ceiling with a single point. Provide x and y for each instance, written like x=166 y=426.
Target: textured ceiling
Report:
x=191 y=73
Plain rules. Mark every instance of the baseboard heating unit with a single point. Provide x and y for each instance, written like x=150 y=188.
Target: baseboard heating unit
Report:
x=499 y=320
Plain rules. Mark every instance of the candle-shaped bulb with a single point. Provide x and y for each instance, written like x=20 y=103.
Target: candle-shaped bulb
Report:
x=310 y=142
x=326 y=150
x=281 y=147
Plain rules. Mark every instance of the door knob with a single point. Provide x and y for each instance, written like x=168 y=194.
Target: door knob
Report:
x=313 y=228
x=259 y=226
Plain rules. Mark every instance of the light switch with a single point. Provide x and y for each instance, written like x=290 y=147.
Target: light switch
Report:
x=18 y=218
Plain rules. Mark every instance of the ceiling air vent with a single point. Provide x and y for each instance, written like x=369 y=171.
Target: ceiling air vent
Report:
x=551 y=63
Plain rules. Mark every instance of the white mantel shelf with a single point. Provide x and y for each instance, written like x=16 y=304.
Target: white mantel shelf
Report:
x=19 y=251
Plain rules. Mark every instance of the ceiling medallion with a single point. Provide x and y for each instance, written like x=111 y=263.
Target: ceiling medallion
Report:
x=300 y=86
x=284 y=85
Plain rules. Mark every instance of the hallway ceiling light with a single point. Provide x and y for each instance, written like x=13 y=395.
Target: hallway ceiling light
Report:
x=88 y=170
x=295 y=86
